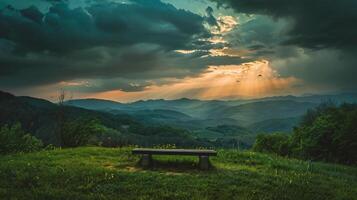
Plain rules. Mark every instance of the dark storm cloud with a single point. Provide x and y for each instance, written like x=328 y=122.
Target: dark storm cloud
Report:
x=324 y=69
x=101 y=62
x=62 y=29
x=260 y=33
x=105 y=85
x=316 y=23
x=256 y=47
x=103 y=40
x=210 y=19
x=32 y=13
x=312 y=40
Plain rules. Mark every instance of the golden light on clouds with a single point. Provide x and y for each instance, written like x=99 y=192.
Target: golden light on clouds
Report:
x=248 y=80
x=225 y=24
x=73 y=83
x=185 y=51
x=225 y=51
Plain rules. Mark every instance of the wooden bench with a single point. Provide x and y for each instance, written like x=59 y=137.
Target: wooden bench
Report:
x=203 y=155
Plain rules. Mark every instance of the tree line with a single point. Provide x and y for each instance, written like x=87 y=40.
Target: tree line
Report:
x=327 y=133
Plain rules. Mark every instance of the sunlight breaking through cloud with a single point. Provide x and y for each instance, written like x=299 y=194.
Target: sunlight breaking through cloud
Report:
x=248 y=80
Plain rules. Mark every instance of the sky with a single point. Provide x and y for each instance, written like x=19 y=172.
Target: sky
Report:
x=128 y=50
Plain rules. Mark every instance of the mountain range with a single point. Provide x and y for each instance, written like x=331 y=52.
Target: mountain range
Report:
x=193 y=113
x=201 y=122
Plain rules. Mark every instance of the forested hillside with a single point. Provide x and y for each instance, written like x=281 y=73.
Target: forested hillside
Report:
x=51 y=123
x=327 y=133
x=182 y=122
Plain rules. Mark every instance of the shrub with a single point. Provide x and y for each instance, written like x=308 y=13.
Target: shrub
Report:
x=331 y=136
x=327 y=133
x=110 y=138
x=14 y=139
x=273 y=143
x=79 y=132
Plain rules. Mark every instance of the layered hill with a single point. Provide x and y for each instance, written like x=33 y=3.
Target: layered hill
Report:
x=206 y=121
x=42 y=119
x=237 y=112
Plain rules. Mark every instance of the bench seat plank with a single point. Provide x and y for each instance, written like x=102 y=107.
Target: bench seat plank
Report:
x=193 y=152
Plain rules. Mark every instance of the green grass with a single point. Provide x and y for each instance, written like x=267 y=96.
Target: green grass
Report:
x=112 y=173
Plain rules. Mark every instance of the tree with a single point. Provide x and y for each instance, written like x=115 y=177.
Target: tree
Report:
x=277 y=143
x=327 y=133
x=61 y=115
x=79 y=132
x=14 y=139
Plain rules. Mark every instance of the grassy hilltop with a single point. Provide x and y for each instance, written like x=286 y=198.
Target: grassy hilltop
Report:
x=112 y=173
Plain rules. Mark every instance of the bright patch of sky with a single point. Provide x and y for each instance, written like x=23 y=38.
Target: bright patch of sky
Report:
x=198 y=6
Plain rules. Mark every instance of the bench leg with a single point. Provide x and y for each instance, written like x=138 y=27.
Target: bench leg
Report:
x=146 y=160
x=204 y=162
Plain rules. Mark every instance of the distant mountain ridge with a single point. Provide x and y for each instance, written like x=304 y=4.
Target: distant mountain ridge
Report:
x=244 y=112
x=162 y=103
x=95 y=104
x=222 y=122
x=264 y=110
x=41 y=118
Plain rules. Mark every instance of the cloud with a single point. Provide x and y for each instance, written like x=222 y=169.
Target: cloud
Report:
x=315 y=24
x=141 y=46
x=248 y=80
x=210 y=19
x=133 y=41
x=103 y=85
x=327 y=70
x=313 y=41
x=63 y=30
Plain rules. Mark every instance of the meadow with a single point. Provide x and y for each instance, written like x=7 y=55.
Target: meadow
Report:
x=113 y=173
